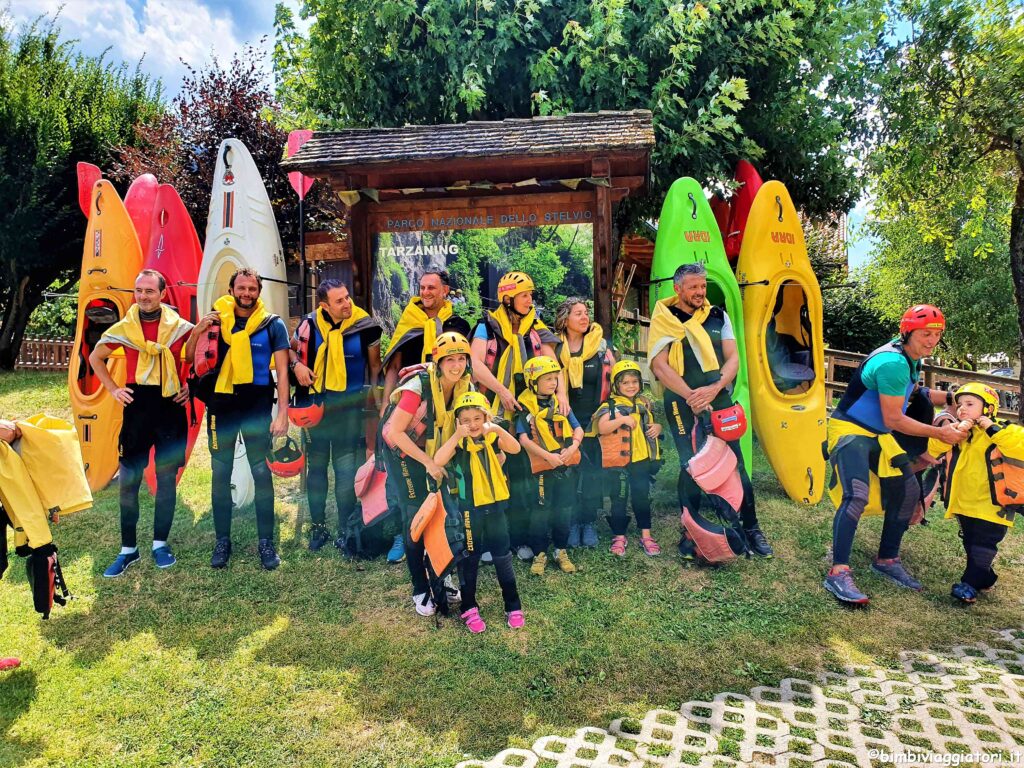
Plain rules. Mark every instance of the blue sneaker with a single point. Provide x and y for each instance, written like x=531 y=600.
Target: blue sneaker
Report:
x=397 y=552
x=896 y=573
x=588 y=536
x=841 y=585
x=574 y=536
x=964 y=592
x=163 y=557
x=121 y=563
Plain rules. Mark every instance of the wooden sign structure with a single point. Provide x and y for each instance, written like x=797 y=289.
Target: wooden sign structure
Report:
x=541 y=171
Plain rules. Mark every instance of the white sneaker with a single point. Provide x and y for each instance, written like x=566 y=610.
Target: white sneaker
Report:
x=451 y=588
x=423 y=604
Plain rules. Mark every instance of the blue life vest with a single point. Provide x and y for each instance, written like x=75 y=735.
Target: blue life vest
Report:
x=862 y=405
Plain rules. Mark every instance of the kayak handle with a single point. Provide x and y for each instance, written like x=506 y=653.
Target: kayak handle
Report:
x=163 y=217
x=98 y=198
x=693 y=213
x=778 y=202
x=227 y=148
x=810 y=483
x=756 y=282
x=97 y=269
x=89 y=418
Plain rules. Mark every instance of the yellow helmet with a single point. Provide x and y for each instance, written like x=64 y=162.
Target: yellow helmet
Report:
x=982 y=391
x=512 y=284
x=450 y=343
x=472 y=400
x=625 y=366
x=536 y=367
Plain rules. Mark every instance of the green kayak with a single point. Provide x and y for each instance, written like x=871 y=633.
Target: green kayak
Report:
x=688 y=232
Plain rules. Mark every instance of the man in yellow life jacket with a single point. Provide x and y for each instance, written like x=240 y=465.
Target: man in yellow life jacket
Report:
x=152 y=336
x=337 y=356
x=693 y=354
x=252 y=342
x=984 y=484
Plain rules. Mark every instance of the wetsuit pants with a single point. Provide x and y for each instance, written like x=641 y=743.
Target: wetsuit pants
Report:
x=981 y=540
x=487 y=531
x=408 y=480
x=151 y=423
x=593 y=484
x=337 y=441
x=680 y=424
x=517 y=466
x=246 y=412
x=853 y=461
x=551 y=503
x=632 y=481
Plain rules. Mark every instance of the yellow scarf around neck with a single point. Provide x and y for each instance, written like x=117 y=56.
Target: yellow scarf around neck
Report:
x=237 y=365
x=667 y=330
x=512 y=358
x=414 y=319
x=329 y=371
x=444 y=416
x=489 y=483
x=573 y=364
x=156 y=365
x=553 y=429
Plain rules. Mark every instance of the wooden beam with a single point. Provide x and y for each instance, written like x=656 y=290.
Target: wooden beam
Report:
x=600 y=168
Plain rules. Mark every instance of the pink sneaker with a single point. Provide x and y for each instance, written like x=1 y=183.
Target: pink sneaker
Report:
x=516 y=619
x=650 y=546
x=473 y=621
x=618 y=546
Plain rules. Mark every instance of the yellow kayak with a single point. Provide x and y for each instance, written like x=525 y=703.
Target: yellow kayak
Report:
x=111 y=260
x=785 y=346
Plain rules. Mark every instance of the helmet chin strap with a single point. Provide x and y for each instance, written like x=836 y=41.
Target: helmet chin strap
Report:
x=511 y=308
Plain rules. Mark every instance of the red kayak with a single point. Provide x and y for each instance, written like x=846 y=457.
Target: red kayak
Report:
x=750 y=182
x=139 y=201
x=174 y=251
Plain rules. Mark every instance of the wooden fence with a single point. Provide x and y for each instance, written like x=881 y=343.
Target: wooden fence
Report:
x=38 y=354
x=840 y=365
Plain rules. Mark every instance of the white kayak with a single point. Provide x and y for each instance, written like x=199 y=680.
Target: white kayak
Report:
x=241 y=232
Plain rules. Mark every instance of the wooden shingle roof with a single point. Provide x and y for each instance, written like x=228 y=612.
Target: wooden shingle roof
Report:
x=335 y=151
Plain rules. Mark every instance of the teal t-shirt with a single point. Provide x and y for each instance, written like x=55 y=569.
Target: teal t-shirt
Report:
x=888 y=373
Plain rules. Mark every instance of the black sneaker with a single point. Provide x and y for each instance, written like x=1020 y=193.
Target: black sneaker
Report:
x=757 y=543
x=687 y=549
x=268 y=555
x=318 y=537
x=221 y=553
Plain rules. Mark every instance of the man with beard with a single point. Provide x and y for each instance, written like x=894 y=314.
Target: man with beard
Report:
x=693 y=354
x=152 y=335
x=252 y=341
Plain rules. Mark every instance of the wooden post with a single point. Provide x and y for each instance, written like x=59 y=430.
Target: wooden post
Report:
x=600 y=168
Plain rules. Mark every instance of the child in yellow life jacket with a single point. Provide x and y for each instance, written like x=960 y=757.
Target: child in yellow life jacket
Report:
x=984 y=481
x=475 y=455
x=552 y=441
x=631 y=449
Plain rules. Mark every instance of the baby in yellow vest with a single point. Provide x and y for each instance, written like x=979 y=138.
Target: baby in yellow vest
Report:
x=984 y=484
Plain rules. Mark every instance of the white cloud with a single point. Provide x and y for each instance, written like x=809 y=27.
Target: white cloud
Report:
x=163 y=33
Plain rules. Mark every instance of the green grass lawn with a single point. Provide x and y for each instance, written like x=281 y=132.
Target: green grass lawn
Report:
x=324 y=661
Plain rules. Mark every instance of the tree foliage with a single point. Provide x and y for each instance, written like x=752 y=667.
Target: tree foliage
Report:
x=782 y=84
x=57 y=107
x=216 y=103
x=949 y=175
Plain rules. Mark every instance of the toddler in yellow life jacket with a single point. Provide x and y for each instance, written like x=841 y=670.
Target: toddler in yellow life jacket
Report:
x=474 y=456
x=984 y=484
x=631 y=449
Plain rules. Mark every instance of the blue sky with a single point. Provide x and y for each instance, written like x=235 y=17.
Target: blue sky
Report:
x=159 y=32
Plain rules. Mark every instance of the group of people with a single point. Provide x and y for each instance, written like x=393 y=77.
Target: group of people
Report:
x=523 y=429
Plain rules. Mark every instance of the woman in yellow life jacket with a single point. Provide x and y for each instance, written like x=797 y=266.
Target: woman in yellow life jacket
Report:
x=586 y=362
x=552 y=442
x=629 y=433
x=474 y=455
x=984 y=480
x=421 y=420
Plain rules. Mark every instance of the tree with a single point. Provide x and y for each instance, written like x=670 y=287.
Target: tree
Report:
x=180 y=148
x=782 y=84
x=57 y=107
x=949 y=175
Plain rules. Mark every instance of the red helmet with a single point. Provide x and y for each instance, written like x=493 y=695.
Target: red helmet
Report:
x=286 y=461
x=304 y=411
x=922 y=316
